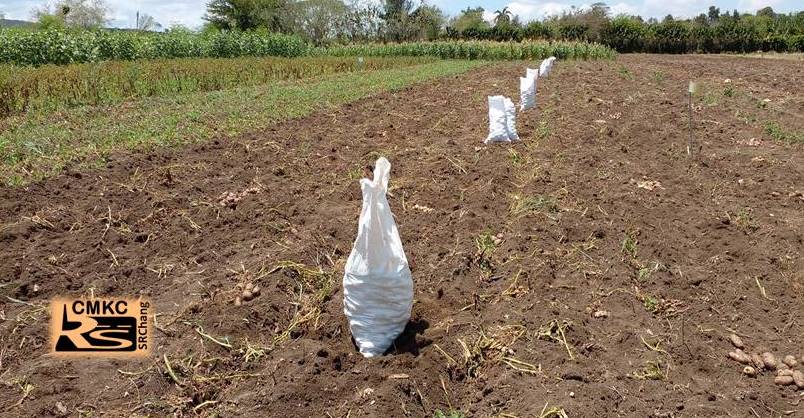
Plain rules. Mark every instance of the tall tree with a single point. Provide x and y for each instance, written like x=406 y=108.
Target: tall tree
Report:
x=398 y=25
x=76 y=13
x=318 y=20
x=502 y=16
x=470 y=18
x=146 y=22
x=363 y=21
x=766 y=11
x=714 y=14
x=397 y=9
x=429 y=21
x=246 y=14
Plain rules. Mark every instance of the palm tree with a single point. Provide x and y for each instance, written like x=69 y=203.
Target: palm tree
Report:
x=502 y=16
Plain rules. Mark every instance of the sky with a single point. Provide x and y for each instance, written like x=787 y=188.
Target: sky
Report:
x=190 y=12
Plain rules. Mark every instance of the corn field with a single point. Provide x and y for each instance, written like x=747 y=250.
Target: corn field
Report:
x=29 y=47
x=52 y=87
x=482 y=50
x=60 y=47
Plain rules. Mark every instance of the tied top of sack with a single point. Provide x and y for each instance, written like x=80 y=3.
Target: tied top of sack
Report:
x=377 y=254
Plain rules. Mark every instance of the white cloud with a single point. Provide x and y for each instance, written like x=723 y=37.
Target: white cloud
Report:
x=623 y=9
x=528 y=10
x=753 y=5
x=677 y=8
x=186 y=12
x=531 y=10
x=488 y=16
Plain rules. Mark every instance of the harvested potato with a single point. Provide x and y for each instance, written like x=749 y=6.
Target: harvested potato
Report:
x=247 y=295
x=783 y=380
x=790 y=361
x=255 y=291
x=749 y=371
x=237 y=301
x=798 y=379
x=770 y=360
x=784 y=372
x=736 y=341
x=249 y=286
x=739 y=356
x=757 y=360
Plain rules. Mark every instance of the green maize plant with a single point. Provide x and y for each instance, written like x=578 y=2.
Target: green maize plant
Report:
x=32 y=47
x=476 y=50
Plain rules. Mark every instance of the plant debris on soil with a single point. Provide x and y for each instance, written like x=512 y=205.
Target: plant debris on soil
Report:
x=597 y=269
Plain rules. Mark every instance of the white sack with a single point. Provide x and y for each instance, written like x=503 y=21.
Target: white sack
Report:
x=377 y=284
x=527 y=92
x=498 y=132
x=544 y=68
x=530 y=72
x=510 y=119
x=550 y=62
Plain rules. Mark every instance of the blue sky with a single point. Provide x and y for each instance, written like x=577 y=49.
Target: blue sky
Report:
x=189 y=12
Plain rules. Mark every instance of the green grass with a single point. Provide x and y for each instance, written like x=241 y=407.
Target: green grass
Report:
x=779 y=134
x=36 y=146
x=524 y=205
x=625 y=73
x=629 y=245
x=651 y=304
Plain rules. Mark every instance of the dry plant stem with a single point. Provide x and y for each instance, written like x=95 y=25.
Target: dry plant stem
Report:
x=170 y=370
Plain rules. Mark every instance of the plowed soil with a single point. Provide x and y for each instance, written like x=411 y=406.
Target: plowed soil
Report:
x=613 y=265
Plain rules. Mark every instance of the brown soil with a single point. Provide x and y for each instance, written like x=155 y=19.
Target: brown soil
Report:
x=715 y=229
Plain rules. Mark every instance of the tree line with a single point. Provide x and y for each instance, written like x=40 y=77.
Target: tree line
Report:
x=324 y=22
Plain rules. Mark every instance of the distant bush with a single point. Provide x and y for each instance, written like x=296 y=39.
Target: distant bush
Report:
x=727 y=32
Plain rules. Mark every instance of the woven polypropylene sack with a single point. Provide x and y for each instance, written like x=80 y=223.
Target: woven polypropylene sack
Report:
x=377 y=284
x=527 y=92
x=498 y=132
x=510 y=120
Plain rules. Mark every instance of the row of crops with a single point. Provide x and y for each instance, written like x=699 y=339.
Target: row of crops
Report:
x=35 y=48
x=483 y=50
x=32 y=47
x=52 y=87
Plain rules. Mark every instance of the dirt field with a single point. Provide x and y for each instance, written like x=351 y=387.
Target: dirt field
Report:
x=605 y=294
